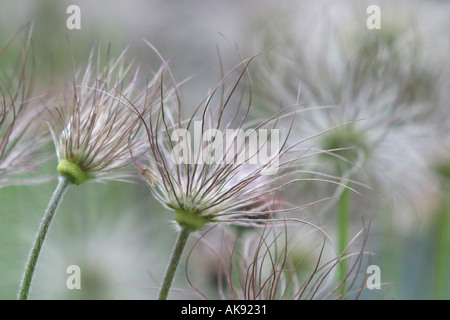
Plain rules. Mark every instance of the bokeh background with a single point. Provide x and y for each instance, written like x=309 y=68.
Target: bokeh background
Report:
x=122 y=238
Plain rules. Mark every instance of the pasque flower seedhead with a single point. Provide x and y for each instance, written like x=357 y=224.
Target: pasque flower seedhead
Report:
x=220 y=164
x=93 y=130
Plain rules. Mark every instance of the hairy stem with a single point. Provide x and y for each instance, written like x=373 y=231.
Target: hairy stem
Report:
x=343 y=229
x=30 y=266
x=173 y=263
x=442 y=249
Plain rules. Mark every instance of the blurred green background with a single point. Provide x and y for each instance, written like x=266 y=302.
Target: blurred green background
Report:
x=116 y=232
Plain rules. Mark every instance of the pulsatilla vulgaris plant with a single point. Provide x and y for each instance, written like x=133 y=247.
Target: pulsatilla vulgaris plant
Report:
x=217 y=165
x=93 y=133
x=22 y=135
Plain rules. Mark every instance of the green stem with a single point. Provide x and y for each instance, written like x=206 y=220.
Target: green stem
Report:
x=442 y=249
x=30 y=266
x=344 y=209
x=173 y=263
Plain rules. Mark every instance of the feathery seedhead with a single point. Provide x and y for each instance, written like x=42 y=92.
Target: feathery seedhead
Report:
x=92 y=129
x=22 y=135
x=213 y=166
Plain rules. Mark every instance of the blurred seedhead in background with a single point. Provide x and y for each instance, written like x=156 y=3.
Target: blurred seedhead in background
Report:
x=376 y=84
